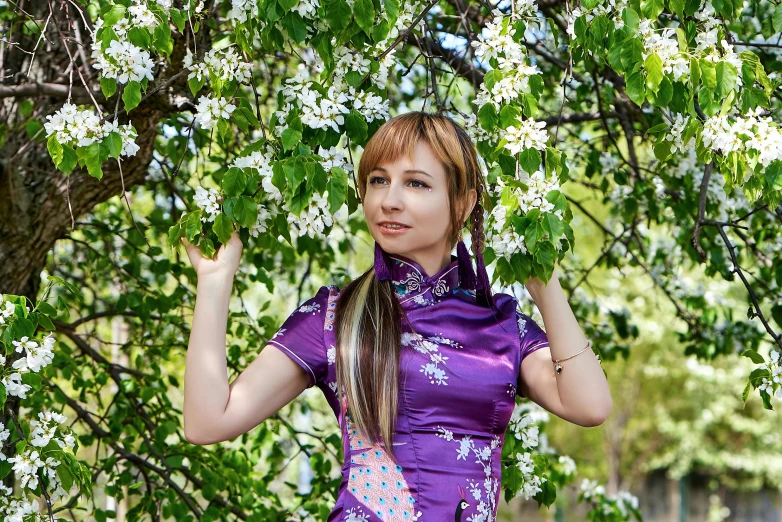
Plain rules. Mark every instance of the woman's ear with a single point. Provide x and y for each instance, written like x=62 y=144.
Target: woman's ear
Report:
x=470 y=200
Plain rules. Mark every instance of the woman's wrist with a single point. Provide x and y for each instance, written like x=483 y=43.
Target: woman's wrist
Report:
x=536 y=287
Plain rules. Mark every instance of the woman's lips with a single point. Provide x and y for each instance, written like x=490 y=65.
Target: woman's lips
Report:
x=393 y=231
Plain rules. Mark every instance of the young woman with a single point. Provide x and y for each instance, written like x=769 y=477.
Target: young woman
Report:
x=419 y=361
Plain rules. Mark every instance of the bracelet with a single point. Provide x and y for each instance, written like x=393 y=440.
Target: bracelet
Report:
x=558 y=367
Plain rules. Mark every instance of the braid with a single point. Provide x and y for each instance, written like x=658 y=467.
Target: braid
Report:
x=476 y=230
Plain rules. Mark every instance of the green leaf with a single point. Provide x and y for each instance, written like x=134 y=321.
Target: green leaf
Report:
x=754 y=356
x=652 y=8
x=234 y=182
x=195 y=83
x=108 y=86
x=295 y=25
x=92 y=160
x=115 y=14
x=654 y=71
x=174 y=233
x=356 y=127
x=487 y=117
x=529 y=159
x=726 y=78
x=290 y=138
x=223 y=227
x=207 y=247
x=364 y=12
x=69 y=160
x=55 y=149
x=635 y=87
x=3 y=397
x=776 y=313
x=162 y=38
x=338 y=14
x=509 y=116
x=337 y=187
x=245 y=211
x=776 y=19
x=193 y=225
x=774 y=178
x=131 y=95
x=114 y=143
x=178 y=19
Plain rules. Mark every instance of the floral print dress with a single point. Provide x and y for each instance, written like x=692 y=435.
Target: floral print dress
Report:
x=458 y=382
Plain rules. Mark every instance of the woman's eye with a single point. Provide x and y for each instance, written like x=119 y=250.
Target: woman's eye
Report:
x=378 y=179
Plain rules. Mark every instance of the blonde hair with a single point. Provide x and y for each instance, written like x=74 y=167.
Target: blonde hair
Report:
x=368 y=315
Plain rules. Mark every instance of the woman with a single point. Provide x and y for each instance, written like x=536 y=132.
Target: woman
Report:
x=427 y=366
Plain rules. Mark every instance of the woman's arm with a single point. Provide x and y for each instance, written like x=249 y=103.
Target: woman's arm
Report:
x=580 y=393
x=215 y=411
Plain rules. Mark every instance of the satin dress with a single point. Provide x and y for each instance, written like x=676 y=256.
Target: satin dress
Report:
x=459 y=376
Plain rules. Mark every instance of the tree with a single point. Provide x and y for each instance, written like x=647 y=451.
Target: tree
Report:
x=194 y=110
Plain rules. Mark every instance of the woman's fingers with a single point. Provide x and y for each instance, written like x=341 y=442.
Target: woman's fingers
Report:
x=193 y=252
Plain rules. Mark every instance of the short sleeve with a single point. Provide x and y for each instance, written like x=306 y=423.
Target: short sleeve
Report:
x=531 y=336
x=301 y=336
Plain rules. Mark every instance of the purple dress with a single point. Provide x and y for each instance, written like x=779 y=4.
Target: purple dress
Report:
x=458 y=383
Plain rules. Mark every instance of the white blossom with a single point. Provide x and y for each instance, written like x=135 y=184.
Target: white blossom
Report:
x=208 y=202
x=210 y=109
x=141 y=16
x=260 y=224
x=314 y=218
x=124 y=62
x=35 y=356
x=80 y=128
x=14 y=385
x=225 y=64
x=530 y=134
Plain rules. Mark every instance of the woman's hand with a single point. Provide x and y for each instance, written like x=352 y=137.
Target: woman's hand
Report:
x=225 y=262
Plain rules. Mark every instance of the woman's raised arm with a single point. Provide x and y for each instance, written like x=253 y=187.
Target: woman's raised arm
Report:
x=215 y=411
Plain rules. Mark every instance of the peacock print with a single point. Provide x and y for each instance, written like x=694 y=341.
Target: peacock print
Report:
x=462 y=505
x=377 y=481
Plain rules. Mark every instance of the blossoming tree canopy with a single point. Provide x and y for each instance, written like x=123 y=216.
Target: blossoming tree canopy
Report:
x=654 y=123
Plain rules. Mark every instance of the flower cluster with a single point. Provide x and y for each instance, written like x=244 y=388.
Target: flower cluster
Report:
x=334 y=158
x=210 y=109
x=208 y=202
x=262 y=163
x=515 y=71
x=123 y=61
x=531 y=481
x=260 y=224
x=535 y=197
x=316 y=111
x=80 y=128
x=241 y=10
x=313 y=219
x=225 y=64
x=6 y=312
x=744 y=134
x=141 y=16
x=775 y=369
x=35 y=356
x=530 y=134
x=666 y=45
x=504 y=242
x=596 y=493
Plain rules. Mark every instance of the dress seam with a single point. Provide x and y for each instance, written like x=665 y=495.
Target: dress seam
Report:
x=415 y=451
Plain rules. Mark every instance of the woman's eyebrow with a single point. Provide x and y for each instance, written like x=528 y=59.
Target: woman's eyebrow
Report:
x=408 y=171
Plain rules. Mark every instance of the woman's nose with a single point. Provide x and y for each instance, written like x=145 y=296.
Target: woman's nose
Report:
x=392 y=198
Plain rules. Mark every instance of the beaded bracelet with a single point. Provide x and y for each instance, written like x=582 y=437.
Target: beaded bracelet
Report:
x=558 y=367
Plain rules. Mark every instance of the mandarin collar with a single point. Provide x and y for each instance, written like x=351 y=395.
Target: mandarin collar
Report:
x=412 y=285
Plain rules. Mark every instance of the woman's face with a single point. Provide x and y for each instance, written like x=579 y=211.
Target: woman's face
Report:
x=414 y=193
